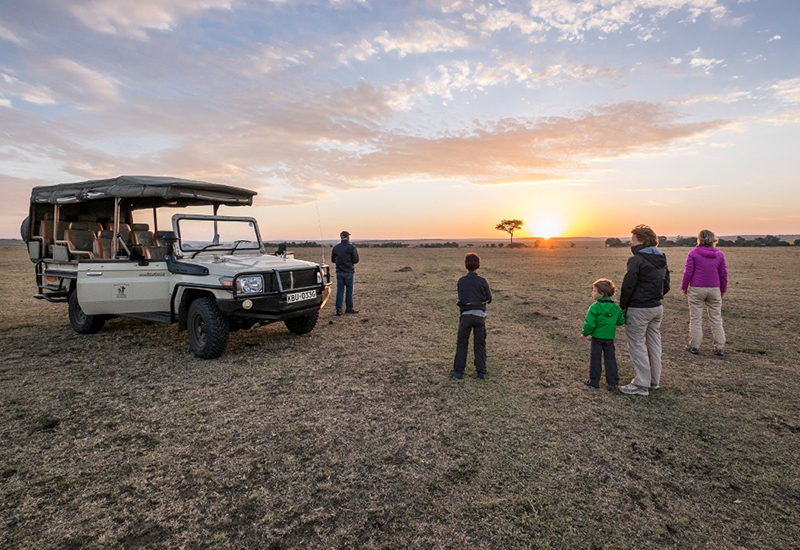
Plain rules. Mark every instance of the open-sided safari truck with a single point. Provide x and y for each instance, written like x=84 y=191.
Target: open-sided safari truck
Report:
x=211 y=274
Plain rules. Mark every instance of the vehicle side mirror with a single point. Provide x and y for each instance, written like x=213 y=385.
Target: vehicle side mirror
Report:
x=169 y=239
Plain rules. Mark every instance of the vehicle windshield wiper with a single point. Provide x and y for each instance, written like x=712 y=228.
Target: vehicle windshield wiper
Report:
x=206 y=247
x=233 y=248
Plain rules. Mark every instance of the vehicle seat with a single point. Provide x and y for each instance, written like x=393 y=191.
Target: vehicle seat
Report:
x=80 y=239
x=141 y=236
x=103 y=244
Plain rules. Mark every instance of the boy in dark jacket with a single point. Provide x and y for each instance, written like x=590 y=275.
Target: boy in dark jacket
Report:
x=601 y=324
x=473 y=295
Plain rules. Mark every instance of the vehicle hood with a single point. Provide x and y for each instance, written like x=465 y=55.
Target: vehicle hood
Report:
x=227 y=264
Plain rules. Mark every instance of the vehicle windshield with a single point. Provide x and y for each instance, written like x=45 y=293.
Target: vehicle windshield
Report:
x=217 y=235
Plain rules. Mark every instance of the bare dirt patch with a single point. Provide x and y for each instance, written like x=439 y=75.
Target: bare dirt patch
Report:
x=354 y=437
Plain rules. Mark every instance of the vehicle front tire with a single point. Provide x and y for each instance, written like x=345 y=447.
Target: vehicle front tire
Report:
x=82 y=323
x=207 y=327
x=304 y=324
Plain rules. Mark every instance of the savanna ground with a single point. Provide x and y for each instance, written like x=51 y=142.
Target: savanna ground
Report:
x=354 y=436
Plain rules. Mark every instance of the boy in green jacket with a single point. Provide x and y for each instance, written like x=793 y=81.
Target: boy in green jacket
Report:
x=601 y=324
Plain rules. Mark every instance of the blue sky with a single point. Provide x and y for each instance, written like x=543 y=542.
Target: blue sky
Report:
x=417 y=119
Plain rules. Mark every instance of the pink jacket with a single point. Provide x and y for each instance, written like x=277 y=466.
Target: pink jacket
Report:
x=705 y=266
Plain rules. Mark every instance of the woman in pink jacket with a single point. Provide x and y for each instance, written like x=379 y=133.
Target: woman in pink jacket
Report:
x=705 y=282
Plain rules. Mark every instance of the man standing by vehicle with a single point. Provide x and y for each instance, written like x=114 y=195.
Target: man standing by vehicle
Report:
x=345 y=256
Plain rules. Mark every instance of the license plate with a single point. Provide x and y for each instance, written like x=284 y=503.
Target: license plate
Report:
x=301 y=296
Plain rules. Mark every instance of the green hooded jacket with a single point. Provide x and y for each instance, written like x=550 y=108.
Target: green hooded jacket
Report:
x=602 y=319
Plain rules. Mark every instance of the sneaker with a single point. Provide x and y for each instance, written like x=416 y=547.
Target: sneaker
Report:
x=350 y=311
x=654 y=386
x=338 y=312
x=482 y=375
x=457 y=375
x=719 y=353
x=588 y=382
x=633 y=389
x=693 y=351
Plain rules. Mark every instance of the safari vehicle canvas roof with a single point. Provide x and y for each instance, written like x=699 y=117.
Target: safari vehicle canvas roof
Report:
x=145 y=192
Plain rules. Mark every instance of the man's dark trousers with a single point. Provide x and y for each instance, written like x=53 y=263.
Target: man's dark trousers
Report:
x=603 y=348
x=477 y=325
x=344 y=280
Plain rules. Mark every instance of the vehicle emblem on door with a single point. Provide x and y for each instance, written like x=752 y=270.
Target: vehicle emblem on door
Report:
x=121 y=291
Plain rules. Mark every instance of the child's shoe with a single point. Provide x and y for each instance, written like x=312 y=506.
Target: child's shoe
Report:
x=693 y=351
x=588 y=382
x=457 y=375
x=719 y=353
x=611 y=388
x=482 y=375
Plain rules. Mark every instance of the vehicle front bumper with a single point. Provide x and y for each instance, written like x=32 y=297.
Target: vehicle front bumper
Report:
x=273 y=307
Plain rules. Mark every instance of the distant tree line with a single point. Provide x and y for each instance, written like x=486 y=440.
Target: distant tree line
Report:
x=769 y=240
x=439 y=245
x=390 y=244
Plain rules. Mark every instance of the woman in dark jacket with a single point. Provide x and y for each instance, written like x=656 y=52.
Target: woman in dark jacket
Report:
x=705 y=282
x=643 y=288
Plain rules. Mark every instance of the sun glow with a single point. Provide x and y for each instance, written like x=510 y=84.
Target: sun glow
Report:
x=547 y=226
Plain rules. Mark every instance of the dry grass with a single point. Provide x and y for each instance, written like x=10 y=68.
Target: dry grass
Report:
x=355 y=437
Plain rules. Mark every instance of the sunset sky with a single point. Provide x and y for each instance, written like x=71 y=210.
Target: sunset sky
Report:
x=415 y=119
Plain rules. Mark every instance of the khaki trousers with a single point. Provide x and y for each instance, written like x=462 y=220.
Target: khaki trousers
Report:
x=643 y=327
x=699 y=298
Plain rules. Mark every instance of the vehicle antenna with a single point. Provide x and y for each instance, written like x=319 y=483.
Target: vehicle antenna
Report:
x=319 y=223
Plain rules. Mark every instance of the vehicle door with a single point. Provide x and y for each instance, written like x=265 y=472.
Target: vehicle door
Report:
x=123 y=286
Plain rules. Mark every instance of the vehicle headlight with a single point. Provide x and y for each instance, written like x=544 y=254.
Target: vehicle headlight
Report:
x=319 y=276
x=251 y=284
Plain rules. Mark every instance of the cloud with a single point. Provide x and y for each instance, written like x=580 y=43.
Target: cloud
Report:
x=85 y=87
x=774 y=38
x=11 y=86
x=272 y=58
x=788 y=90
x=5 y=102
x=572 y=20
x=9 y=35
x=424 y=37
x=705 y=64
x=134 y=18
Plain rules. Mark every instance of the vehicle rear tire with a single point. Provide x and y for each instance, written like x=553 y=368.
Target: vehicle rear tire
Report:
x=82 y=323
x=208 y=328
x=304 y=324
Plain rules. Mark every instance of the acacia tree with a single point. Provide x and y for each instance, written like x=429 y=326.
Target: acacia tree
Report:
x=509 y=226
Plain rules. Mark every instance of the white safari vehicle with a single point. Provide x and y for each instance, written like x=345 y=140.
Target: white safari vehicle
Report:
x=210 y=274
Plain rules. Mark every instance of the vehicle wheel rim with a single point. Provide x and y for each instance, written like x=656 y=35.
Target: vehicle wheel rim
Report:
x=79 y=314
x=200 y=330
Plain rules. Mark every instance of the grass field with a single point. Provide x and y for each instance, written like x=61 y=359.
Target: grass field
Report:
x=354 y=436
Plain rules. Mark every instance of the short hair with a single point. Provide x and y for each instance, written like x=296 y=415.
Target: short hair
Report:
x=472 y=261
x=605 y=287
x=706 y=238
x=645 y=234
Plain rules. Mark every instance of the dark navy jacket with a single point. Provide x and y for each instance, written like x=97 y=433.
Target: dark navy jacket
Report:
x=473 y=292
x=345 y=256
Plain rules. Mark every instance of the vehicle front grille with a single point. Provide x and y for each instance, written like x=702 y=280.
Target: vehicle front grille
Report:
x=301 y=278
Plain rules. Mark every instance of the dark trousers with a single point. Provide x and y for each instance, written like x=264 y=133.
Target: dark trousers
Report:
x=603 y=348
x=467 y=324
x=344 y=285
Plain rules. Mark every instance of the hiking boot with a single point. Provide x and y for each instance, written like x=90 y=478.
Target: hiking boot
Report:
x=654 y=386
x=633 y=389
x=719 y=353
x=588 y=382
x=350 y=311
x=693 y=351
